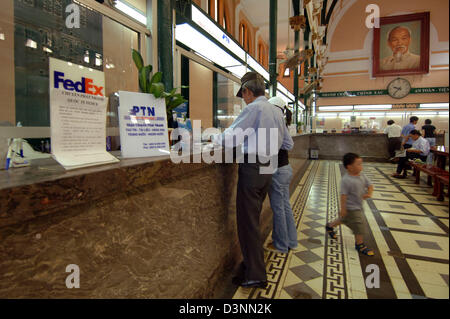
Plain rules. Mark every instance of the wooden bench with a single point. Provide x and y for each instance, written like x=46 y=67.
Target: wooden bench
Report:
x=432 y=171
x=441 y=181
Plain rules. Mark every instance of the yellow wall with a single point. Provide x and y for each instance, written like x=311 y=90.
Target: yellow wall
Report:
x=350 y=45
x=200 y=94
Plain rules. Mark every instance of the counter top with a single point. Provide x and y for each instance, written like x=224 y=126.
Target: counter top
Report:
x=46 y=186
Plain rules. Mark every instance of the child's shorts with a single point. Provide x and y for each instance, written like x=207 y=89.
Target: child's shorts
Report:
x=355 y=221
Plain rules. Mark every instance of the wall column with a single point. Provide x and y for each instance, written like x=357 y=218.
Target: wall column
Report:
x=165 y=42
x=273 y=46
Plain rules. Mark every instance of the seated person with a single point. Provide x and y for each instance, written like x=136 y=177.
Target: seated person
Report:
x=420 y=149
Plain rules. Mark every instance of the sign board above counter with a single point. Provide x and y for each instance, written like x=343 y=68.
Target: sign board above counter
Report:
x=430 y=90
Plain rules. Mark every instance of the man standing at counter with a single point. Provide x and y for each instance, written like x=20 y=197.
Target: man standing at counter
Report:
x=259 y=127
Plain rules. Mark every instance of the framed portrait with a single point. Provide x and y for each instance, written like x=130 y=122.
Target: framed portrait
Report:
x=401 y=45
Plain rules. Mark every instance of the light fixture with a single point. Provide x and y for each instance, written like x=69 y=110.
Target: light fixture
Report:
x=327 y=115
x=336 y=108
x=212 y=29
x=258 y=68
x=45 y=49
x=434 y=106
x=98 y=59
x=2 y=36
x=130 y=11
x=373 y=107
x=31 y=44
x=86 y=57
x=443 y=113
x=395 y=114
x=201 y=45
x=418 y=113
x=380 y=114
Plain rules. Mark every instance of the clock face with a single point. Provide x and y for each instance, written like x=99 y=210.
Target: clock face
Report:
x=399 y=88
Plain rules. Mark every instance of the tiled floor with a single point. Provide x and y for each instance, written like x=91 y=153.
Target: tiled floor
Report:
x=407 y=228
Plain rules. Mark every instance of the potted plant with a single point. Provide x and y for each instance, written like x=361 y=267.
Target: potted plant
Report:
x=151 y=83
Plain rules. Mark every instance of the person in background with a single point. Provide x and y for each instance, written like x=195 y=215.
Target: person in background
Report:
x=284 y=234
x=394 y=133
x=420 y=149
x=407 y=140
x=428 y=132
x=355 y=187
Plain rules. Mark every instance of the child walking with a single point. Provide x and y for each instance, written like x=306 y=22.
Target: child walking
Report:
x=355 y=187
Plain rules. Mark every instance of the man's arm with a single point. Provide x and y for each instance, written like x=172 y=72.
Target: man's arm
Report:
x=288 y=143
x=245 y=120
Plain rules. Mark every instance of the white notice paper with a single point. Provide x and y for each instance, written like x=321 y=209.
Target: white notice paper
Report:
x=78 y=129
x=143 y=125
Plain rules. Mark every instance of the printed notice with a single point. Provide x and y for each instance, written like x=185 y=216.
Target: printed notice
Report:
x=78 y=129
x=143 y=125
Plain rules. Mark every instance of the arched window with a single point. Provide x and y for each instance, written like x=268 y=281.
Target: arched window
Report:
x=244 y=37
x=261 y=53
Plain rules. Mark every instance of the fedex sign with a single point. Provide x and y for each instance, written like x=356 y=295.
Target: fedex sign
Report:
x=84 y=86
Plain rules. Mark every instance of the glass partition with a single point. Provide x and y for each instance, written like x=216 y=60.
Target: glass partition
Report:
x=32 y=31
x=228 y=105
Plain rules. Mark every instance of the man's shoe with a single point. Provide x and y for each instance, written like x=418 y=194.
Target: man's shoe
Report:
x=271 y=247
x=254 y=284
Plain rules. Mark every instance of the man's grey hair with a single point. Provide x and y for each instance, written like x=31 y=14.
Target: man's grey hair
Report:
x=398 y=27
x=258 y=87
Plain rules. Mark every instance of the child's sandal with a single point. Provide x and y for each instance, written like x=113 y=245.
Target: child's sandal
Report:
x=364 y=250
x=331 y=232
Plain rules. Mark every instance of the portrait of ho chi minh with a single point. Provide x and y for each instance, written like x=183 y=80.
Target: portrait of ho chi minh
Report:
x=399 y=40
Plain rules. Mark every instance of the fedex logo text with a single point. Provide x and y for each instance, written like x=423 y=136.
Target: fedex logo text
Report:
x=84 y=86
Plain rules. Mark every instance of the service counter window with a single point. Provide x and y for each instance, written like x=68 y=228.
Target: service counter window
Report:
x=228 y=106
x=32 y=31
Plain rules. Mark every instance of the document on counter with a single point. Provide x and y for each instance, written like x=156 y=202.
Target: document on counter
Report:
x=78 y=129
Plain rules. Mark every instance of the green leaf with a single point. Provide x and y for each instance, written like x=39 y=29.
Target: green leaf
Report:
x=176 y=102
x=143 y=80
x=157 y=77
x=157 y=89
x=137 y=58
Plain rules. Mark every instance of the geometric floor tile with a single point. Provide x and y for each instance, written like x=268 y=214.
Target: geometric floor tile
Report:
x=418 y=190
x=397 y=207
x=390 y=196
x=422 y=245
x=385 y=188
x=312 y=233
x=305 y=272
x=307 y=256
x=301 y=291
x=408 y=229
x=428 y=245
x=311 y=243
x=415 y=223
x=432 y=277
x=313 y=224
x=439 y=211
x=429 y=199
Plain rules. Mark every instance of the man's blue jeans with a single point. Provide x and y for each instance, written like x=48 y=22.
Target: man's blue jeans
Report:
x=284 y=232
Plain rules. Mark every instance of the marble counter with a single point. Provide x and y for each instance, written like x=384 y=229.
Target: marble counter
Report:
x=333 y=146
x=141 y=228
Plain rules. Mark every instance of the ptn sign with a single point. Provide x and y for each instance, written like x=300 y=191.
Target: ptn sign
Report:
x=143 y=111
x=84 y=86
